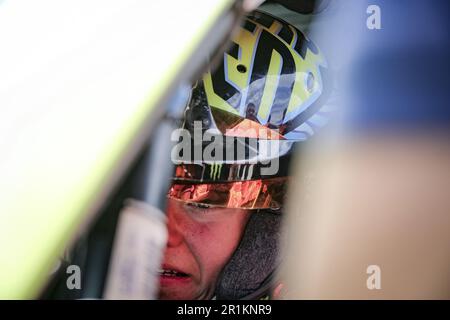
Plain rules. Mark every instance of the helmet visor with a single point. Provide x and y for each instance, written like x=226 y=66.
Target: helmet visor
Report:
x=252 y=194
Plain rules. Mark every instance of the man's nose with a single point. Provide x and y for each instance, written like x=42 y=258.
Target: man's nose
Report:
x=174 y=227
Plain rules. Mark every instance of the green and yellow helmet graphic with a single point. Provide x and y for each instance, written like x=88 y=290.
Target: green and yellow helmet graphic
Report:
x=273 y=75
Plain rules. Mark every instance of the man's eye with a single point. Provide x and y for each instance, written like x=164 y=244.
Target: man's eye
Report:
x=198 y=207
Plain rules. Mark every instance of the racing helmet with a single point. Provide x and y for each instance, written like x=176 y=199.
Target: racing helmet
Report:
x=244 y=119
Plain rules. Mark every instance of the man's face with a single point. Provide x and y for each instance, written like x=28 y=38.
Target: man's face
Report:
x=201 y=241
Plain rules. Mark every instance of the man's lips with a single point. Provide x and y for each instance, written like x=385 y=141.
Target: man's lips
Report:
x=172 y=275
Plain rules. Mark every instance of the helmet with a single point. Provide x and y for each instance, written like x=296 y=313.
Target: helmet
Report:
x=244 y=119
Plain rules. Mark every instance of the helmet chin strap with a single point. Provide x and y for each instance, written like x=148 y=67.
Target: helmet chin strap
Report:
x=249 y=273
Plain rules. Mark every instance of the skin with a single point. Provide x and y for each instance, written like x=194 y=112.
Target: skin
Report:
x=200 y=243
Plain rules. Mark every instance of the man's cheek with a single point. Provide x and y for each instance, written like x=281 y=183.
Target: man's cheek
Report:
x=211 y=245
x=196 y=231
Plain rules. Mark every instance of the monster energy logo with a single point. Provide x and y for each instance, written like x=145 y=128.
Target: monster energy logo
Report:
x=209 y=149
x=215 y=170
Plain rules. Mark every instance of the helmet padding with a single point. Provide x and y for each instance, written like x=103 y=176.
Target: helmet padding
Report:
x=255 y=259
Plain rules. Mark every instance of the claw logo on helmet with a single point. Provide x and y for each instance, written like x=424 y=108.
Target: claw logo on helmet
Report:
x=273 y=74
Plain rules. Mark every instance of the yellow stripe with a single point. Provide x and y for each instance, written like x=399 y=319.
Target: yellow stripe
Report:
x=271 y=86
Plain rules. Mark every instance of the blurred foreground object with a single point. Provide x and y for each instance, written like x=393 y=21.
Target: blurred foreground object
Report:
x=380 y=201
x=370 y=207
x=78 y=86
